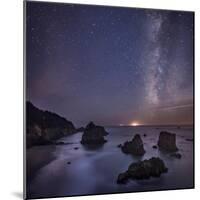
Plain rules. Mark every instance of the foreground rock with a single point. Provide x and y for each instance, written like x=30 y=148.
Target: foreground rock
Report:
x=167 y=141
x=153 y=167
x=44 y=127
x=93 y=134
x=134 y=147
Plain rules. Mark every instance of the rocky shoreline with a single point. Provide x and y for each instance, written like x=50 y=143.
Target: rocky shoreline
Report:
x=45 y=128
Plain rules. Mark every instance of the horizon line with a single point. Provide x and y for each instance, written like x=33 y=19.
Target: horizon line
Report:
x=125 y=125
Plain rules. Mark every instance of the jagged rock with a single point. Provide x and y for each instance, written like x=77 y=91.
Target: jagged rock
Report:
x=93 y=134
x=167 y=141
x=176 y=155
x=154 y=147
x=46 y=119
x=134 y=147
x=153 y=167
x=100 y=129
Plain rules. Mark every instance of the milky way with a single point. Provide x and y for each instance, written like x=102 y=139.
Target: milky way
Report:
x=110 y=65
x=168 y=64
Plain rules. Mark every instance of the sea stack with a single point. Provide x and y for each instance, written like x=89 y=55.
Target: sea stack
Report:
x=134 y=147
x=153 y=167
x=93 y=134
x=167 y=141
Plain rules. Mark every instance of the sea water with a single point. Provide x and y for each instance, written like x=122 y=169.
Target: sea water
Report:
x=95 y=170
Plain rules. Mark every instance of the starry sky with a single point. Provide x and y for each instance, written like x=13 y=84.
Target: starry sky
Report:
x=110 y=65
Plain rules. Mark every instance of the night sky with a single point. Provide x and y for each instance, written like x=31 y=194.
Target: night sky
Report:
x=110 y=65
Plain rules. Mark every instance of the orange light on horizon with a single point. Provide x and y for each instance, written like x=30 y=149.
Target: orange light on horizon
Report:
x=135 y=124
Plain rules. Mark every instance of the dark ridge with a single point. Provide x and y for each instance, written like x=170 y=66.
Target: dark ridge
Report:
x=43 y=127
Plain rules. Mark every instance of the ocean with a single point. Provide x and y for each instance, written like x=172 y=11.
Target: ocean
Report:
x=95 y=170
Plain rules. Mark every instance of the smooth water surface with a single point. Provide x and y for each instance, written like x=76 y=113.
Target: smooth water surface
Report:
x=95 y=170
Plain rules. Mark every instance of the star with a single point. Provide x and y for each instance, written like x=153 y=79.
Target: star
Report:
x=126 y=60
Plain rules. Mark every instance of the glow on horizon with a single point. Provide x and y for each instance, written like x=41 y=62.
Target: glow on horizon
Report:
x=135 y=124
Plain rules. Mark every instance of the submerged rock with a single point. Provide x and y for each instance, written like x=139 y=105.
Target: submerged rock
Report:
x=176 y=155
x=119 y=145
x=134 y=147
x=144 y=135
x=189 y=140
x=153 y=167
x=93 y=134
x=154 y=147
x=167 y=141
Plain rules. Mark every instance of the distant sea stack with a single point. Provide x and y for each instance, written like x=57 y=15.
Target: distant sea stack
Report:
x=93 y=134
x=42 y=127
x=167 y=141
x=153 y=167
x=134 y=147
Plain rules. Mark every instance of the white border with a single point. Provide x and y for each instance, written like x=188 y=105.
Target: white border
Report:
x=11 y=100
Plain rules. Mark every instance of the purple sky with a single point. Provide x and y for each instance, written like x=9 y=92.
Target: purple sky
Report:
x=110 y=65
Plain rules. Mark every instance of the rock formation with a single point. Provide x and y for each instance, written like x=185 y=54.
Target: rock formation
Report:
x=134 y=147
x=43 y=127
x=153 y=167
x=93 y=134
x=167 y=141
